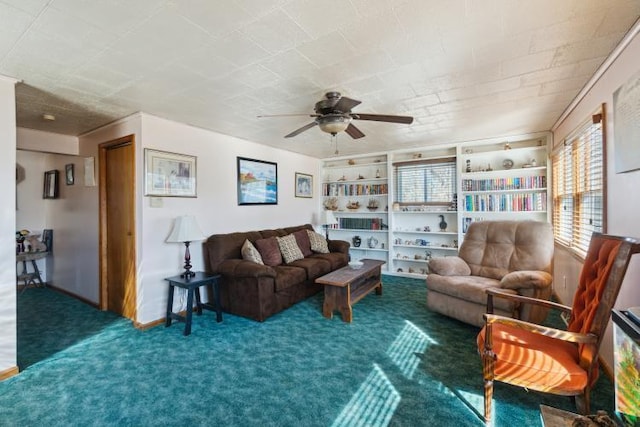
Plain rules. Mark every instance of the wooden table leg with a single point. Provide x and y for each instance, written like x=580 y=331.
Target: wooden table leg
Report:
x=216 y=296
x=167 y=322
x=345 y=304
x=198 y=302
x=187 y=327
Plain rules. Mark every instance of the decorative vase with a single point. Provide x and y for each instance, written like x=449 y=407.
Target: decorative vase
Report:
x=372 y=242
x=356 y=241
x=443 y=224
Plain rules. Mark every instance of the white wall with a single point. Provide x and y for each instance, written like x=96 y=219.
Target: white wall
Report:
x=216 y=207
x=30 y=206
x=8 y=316
x=623 y=202
x=46 y=142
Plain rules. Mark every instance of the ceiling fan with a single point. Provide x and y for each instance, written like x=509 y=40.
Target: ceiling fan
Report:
x=333 y=115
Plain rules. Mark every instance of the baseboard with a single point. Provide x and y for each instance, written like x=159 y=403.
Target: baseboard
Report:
x=8 y=373
x=71 y=294
x=145 y=326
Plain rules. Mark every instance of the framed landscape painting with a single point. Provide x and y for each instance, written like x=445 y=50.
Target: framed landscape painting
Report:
x=257 y=182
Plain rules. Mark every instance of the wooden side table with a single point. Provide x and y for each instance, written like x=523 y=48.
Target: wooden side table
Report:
x=192 y=284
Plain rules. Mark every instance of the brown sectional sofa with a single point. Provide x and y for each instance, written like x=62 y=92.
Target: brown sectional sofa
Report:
x=258 y=291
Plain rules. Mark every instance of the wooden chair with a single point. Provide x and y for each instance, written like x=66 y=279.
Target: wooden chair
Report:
x=552 y=360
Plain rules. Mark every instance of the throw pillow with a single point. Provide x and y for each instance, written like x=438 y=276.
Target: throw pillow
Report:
x=318 y=242
x=269 y=251
x=449 y=266
x=289 y=248
x=302 y=238
x=250 y=253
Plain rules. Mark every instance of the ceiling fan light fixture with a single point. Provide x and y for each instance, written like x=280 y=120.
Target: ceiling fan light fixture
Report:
x=334 y=123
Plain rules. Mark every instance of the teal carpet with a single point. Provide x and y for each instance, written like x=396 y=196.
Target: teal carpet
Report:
x=397 y=364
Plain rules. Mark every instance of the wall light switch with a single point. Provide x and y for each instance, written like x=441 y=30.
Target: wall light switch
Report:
x=155 y=202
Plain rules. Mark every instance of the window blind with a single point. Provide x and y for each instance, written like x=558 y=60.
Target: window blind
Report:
x=578 y=169
x=430 y=181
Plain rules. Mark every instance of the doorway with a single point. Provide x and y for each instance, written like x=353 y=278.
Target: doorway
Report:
x=117 y=227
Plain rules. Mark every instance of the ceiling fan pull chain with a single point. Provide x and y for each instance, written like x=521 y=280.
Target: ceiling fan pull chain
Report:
x=335 y=136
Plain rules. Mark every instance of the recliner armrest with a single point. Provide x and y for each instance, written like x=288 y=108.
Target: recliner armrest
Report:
x=449 y=266
x=244 y=268
x=526 y=279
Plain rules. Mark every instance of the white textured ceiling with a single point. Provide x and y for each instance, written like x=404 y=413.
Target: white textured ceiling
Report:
x=464 y=69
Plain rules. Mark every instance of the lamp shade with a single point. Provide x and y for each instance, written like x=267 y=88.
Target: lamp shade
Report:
x=185 y=229
x=328 y=218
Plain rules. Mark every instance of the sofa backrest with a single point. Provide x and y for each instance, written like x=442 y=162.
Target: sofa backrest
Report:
x=221 y=247
x=495 y=248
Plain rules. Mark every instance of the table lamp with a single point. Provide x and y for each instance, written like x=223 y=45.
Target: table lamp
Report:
x=327 y=218
x=186 y=230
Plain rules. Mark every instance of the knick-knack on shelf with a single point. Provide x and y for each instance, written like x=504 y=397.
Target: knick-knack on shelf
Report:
x=443 y=224
x=356 y=241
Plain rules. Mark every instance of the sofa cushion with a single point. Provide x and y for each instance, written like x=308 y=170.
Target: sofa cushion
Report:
x=289 y=248
x=287 y=276
x=250 y=253
x=269 y=251
x=318 y=242
x=337 y=259
x=314 y=266
x=468 y=288
x=302 y=238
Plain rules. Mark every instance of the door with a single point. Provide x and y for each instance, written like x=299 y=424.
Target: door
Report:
x=117 y=227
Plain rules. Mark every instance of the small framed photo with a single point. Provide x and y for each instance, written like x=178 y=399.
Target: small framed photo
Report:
x=50 y=185
x=304 y=185
x=257 y=182
x=169 y=174
x=69 y=174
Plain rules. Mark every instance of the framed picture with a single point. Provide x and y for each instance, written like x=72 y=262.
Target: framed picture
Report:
x=169 y=174
x=69 y=174
x=257 y=182
x=304 y=185
x=50 y=185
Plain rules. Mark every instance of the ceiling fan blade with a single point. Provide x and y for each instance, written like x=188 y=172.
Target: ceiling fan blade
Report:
x=302 y=129
x=346 y=104
x=384 y=118
x=354 y=132
x=288 y=115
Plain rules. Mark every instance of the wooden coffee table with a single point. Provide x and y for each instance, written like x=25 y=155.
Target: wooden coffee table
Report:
x=346 y=286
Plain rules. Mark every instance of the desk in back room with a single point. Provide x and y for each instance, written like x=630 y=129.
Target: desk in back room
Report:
x=30 y=278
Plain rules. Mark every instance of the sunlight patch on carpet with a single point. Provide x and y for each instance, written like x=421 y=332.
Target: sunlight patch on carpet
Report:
x=404 y=350
x=372 y=405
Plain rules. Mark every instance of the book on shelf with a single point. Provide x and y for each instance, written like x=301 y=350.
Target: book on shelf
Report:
x=501 y=184
x=360 y=223
x=335 y=189
x=521 y=202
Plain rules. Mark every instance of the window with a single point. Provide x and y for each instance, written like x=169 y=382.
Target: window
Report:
x=579 y=202
x=425 y=182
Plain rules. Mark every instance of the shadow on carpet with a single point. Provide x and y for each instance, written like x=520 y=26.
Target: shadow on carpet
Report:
x=397 y=364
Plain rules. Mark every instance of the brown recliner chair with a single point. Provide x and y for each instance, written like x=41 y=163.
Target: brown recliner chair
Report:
x=514 y=256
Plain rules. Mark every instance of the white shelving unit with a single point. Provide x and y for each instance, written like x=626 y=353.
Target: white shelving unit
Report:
x=408 y=235
x=353 y=186
x=507 y=180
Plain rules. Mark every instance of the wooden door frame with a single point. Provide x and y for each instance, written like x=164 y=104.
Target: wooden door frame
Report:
x=102 y=155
